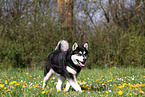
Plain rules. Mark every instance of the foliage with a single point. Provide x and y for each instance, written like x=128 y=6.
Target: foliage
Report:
x=30 y=30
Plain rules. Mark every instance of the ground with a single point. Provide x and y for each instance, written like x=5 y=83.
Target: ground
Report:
x=109 y=82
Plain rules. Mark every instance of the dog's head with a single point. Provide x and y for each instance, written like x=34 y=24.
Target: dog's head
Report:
x=79 y=54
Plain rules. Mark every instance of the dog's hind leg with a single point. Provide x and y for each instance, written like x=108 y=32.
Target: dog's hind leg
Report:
x=46 y=77
x=73 y=82
x=67 y=86
x=61 y=79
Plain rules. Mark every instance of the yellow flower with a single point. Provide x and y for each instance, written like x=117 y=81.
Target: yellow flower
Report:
x=130 y=94
x=30 y=87
x=120 y=92
x=1 y=85
x=5 y=88
x=8 y=90
x=6 y=82
x=35 y=86
x=120 y=87
x=17 y=84
x=114 y=67
x=43 y=92
x=100 y=82
x=14 y=81
x=110 y=80
x=13 y=87
x=27 y=73
x=107 y=92
x=23 y=86
x=11 y=83
x=97 y=80
x=66 y=93
x=51 y=89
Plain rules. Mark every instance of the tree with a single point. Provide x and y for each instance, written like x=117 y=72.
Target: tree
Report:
x=66 y=12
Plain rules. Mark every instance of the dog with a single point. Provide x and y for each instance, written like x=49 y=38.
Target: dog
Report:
x=66 y=63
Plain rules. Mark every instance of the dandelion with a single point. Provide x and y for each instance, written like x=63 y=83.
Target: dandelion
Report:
x=107 y=92
x=8 y=90
x=30 y=87
x=17 y=84
x=14 y=82
x=11 y=83
x=66 y=93
x=120 y=92
x=97 y=80
x=27 y=73
x=23 y=86
x=100 y=82
x=43 y=92
x=114 y=67
x=13 y=87
x=1 y=85
x=6 y=82
x=5 y=88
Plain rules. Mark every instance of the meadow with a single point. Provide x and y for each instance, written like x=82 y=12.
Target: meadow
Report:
x=107 y=82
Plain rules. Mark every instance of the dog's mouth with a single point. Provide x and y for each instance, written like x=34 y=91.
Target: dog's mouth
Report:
x=81 y=63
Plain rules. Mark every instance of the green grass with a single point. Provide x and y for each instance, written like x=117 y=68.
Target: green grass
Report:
x=109 y=82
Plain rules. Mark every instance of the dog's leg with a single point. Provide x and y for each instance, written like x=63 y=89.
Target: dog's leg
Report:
x=67 y=86
x=61 y=79
x=48 y=75
x=73 y=82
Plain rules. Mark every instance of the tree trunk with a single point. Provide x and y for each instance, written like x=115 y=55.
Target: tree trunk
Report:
x=66 y=12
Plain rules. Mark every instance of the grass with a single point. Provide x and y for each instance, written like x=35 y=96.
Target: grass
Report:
x=109 y=82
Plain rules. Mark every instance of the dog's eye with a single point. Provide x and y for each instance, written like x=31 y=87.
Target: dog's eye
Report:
x=84 y=52
x=80 y=53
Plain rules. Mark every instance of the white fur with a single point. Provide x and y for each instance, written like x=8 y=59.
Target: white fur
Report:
x=67 y=86
x=64 y=45
x=75 y=84
x=48 y=75
x=76 y=57
x=70 y=70
x=86 y=46
x=59 y=83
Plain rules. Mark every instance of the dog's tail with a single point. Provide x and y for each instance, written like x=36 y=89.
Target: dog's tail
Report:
x=62 y=45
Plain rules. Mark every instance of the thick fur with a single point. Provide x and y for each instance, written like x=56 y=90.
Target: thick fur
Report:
x=67 y=64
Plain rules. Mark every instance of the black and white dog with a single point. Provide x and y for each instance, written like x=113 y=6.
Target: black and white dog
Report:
x=67 y=64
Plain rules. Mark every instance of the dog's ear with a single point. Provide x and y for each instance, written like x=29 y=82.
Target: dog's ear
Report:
x=86 y=45
x=74 y=47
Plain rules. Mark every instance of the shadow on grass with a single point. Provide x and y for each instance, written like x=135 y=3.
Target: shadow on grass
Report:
x=92 y=88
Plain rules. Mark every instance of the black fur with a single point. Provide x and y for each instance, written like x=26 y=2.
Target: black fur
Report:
x=58 y=60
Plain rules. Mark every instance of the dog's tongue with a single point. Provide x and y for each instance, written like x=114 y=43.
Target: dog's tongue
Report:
x=82 y=64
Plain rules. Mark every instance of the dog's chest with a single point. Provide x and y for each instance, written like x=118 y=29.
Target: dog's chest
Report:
x=71 y=70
